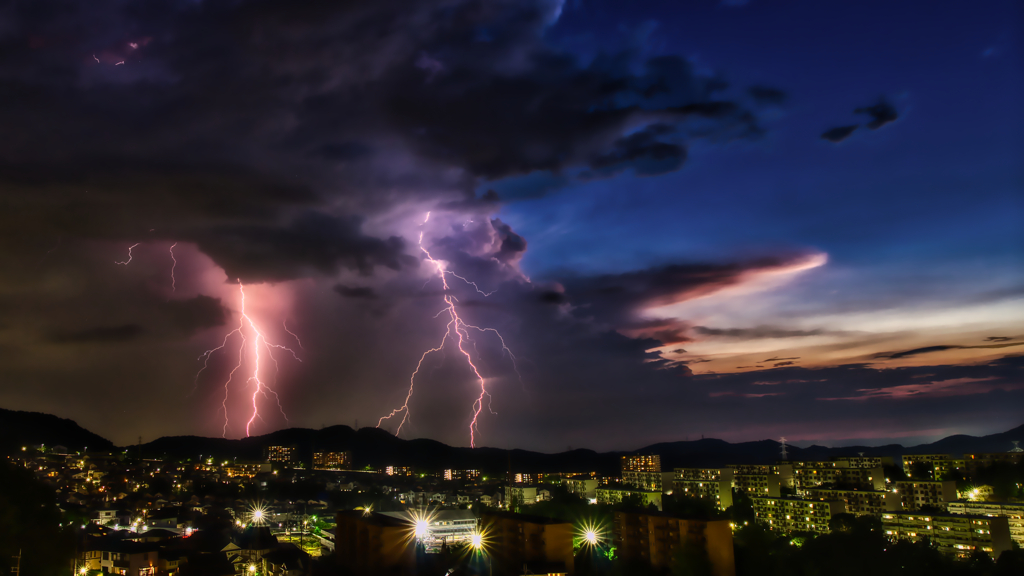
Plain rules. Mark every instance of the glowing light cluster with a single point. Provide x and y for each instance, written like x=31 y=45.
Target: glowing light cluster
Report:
x=457 y=331
x=252 y=340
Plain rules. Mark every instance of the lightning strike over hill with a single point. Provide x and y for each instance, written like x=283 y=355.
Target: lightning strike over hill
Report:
x=174 y=264
x=130 y=248
x=252 y=341
x=456 y=331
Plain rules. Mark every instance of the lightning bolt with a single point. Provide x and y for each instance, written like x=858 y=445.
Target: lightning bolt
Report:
x=456 y=331
x=254 y=342
x=175 y=263
x=125 y=263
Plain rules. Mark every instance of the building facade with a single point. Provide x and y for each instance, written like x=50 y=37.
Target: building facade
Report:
x=613 y=495
x=332 y=460
x=649 y=463
x=915 y=495
x=656 y=537
x=280 y=454
x=1013 y=511
x=518 y=541
x=788 y=514
x=859 y=502
x=956 y=534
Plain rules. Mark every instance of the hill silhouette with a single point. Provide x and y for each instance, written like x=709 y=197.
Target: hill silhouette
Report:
x=374 y=448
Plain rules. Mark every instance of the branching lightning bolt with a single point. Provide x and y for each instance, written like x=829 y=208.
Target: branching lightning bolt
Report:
x=255 y=342
x=173 y=265
x=125 y=263
x=458 y=332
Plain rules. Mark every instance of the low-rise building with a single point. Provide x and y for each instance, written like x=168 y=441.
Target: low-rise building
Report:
x=956 y=534
x=656 y=537
x=441 y=527
x=517 y=495
x=915 y=495
x=246 y=469
x=582 y=487
x=789 y=514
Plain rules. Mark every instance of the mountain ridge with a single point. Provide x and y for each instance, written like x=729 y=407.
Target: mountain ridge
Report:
x=372 y=447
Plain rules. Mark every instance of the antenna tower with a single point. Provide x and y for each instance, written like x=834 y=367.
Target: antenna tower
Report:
x=16 y=569
x=1016 y=446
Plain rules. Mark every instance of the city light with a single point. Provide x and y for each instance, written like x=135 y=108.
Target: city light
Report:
x=477 y=539
x=590 y=534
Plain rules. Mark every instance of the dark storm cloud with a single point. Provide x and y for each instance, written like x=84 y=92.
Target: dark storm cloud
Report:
x=109 y=334
x=776 y=359
x=227 y=120
x=755 y=333
x=194 y=314
x=881 y=114
x=313 y=242
x=941 y=348
x=364 y=292
x=777 y=364
x=998 y=339
x=839 y=133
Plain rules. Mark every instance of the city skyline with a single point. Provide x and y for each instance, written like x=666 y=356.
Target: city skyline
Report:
x=612 y=227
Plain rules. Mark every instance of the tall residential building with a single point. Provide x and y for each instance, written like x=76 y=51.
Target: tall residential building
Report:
x=759 y=484
x=953 y=533
x=783 y=471
x=859 y=502
x=656 y=537
x=281 y=454
x=713 y=484
x=332 y=460
x=1013 y=511
x=517 y=541
x=466 y=475
x=929 y=460
x=915 y=495
x=791 y=514
x=651 y=463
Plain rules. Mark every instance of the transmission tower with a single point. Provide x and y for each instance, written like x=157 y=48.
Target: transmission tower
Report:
x=1016 y=447
x=782 y=441
x=16 y=569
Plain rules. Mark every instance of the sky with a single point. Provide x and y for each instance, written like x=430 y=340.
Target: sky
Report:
x=515 y=223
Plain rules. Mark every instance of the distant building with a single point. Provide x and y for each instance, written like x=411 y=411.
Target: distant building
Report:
x=759 y=484
x=932 y=461
x=792 y=514
x=784 y=472
x=534 y=543
x=915 y=495
x=280 y=454
x=401 y=471
x=979 y=460
x=650 y=463
x=859 y=502
x=953 y=533
x=713 y=484
x=657 y=537
x=332 y=460
x=246 y=469
x=614 y=495
x=1013 y=511
x=372 y=543
x=864 y=461
x=464 y=475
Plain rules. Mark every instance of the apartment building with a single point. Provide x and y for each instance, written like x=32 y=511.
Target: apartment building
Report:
x=614 y=495
x=1013 y=511
x=915 y=495
x=534 y=543
x=859 y=502
x=792 y=514
x=714 y=484
x=956 y=534
x=332 y=460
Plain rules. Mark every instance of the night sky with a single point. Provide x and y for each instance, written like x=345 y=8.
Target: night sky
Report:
x=735 y=219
